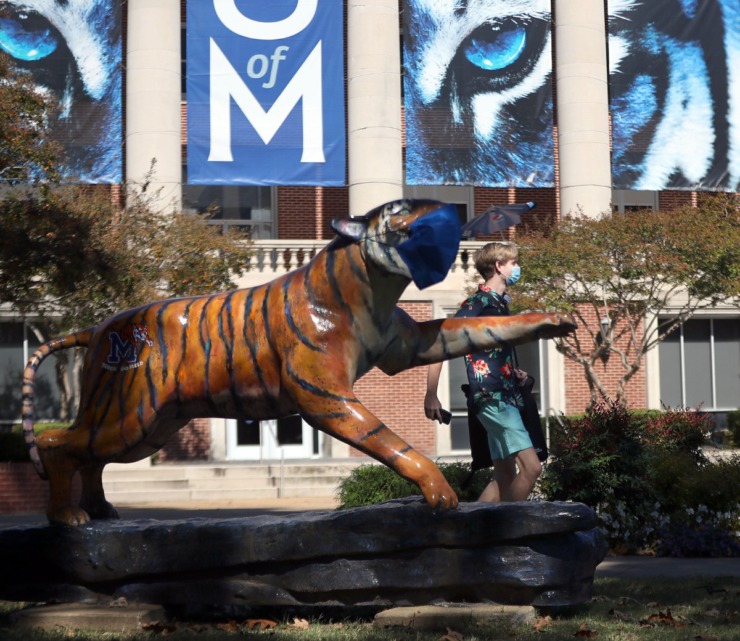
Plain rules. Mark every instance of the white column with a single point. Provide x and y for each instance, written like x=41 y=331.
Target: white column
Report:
x=555 y=377
x=374 y=104
x=583 y=107
x=652 y=368
x=153 y=97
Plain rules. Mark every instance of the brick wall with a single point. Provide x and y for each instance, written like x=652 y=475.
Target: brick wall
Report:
x=675 y=199
x=546 y=212
x=399 y=400
x=576 y=388
x=336 y=204
x=306 y=212
x=191 y=443
x=22 y=491
x=299 y=212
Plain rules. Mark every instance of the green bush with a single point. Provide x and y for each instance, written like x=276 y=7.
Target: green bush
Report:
x=12 y=446
x=372 y=484
x=597 y=458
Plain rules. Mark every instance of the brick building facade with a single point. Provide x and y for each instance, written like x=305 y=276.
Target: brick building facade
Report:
x=299 y=219
x=303 y=213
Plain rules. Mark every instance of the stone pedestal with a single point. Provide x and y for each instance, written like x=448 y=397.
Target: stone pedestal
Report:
x=399 y=553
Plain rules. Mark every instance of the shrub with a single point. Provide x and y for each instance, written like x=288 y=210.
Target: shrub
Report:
x=12 y=446
x=679 y=430
x=671 y=471
x=682 y=483
x=371 y=484
x=647 y=478
x=597 y=458
x=733 y=425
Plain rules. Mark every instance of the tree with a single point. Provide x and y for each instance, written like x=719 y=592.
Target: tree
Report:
x=71 y=257
x=625 y=270
x=26 y=152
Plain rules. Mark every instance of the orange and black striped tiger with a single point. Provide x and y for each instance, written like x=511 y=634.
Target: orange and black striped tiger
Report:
x=294 y=345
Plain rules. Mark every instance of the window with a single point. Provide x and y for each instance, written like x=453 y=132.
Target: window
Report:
x=700 y=365
x=241 y=206
x=13 y=356
x=632 y=200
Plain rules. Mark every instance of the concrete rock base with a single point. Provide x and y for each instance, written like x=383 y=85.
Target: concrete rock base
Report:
x=452 y=615
x=94 y=618
x=395 y=554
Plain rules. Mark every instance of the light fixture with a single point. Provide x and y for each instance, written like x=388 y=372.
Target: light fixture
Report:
x=604 y=337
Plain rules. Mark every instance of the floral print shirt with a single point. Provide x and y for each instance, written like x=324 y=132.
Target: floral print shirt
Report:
x=490 y=372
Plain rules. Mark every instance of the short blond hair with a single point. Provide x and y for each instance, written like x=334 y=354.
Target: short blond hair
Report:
x=496 y=252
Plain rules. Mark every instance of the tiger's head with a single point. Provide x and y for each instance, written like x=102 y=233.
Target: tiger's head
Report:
x=416 y=239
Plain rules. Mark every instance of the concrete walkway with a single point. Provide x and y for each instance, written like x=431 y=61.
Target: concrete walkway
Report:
x=636 y=567
x=196 y=509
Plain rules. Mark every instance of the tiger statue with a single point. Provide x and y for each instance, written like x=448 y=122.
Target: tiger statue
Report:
x=294 y=345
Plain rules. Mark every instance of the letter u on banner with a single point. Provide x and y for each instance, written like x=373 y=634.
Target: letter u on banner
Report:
x=265 y=93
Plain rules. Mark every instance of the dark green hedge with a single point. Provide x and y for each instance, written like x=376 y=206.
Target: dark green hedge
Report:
x=13 y=447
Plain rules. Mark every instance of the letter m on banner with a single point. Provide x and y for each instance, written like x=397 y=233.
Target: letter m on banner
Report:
x=265 y=92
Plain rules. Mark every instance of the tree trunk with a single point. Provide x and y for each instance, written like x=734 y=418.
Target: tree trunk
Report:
x=64 y=385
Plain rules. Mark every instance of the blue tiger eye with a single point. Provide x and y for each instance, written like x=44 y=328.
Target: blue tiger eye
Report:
x=498 y=53
x=25 y=44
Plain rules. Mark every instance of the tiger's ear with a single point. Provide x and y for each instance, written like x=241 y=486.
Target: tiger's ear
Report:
x=351 y=228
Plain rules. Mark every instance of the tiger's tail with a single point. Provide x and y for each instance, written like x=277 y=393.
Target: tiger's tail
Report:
x=77 y=339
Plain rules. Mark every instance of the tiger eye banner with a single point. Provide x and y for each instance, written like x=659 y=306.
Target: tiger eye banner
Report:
x=675 y=94
x=265 y=85
x=478 y=94
x=72 y=51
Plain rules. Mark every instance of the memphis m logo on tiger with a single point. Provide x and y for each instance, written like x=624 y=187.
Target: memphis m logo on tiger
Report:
x=123 y=352
x=295 y=345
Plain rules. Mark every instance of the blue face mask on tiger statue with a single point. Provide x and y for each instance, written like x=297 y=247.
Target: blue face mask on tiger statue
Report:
x=432 y=247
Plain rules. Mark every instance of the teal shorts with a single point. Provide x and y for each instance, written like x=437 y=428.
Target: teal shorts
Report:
x=506 y=432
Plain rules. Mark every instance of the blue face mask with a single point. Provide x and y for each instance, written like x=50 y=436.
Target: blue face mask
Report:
x=516 y=274
x=432 y=246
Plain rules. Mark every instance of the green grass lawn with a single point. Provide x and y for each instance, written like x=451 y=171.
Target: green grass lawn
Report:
x=621 y=610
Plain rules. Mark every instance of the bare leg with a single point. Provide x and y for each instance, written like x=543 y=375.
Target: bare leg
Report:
x=504 y=472
x=530 y=469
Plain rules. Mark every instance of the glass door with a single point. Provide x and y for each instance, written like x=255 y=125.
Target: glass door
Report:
x=288 y=437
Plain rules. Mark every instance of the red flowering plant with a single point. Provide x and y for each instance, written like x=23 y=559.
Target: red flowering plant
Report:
x=647 y=478
x=597 y=457
x=681 y=429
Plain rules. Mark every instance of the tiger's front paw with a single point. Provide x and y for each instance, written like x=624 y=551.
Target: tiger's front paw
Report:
x=100 y=510
x=557 y=325
x=68 y=515
x=438 y=494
